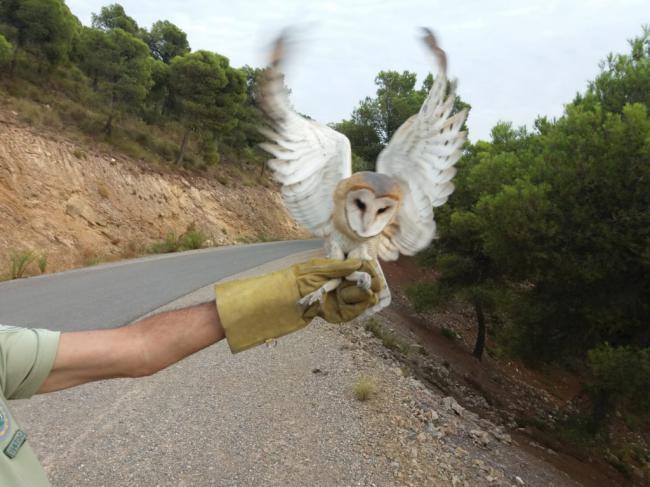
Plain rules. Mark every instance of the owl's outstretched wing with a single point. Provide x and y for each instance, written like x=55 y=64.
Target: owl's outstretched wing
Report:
x=422 y=154
x=309 y=158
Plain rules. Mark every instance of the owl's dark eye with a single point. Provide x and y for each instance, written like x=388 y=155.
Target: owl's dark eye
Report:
x=360 y=204
x=381 y=210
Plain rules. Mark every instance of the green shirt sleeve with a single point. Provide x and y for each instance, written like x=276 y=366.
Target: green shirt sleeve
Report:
x=26 y=358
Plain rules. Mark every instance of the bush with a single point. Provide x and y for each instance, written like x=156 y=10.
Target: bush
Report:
x=426 y=295
x=5 y=51
x=621 y=377
x=192 y=239
x=20 y=260
x=170 y=243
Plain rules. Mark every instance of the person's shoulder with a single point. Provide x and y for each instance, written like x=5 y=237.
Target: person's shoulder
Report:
x=10 y=328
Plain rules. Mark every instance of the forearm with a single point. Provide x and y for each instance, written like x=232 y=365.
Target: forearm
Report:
x=136 y=350
x=169 y=337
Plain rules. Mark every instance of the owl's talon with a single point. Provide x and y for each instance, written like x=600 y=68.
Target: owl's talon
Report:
x=311 y=298
x=361 y=279
x=364 y=281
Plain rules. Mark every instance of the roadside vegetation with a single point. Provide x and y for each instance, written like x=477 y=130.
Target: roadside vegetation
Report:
x=140 y=90
x=547 y=241
x=364 y=388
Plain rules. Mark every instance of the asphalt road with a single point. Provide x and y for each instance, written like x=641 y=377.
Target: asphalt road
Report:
x=112 y=295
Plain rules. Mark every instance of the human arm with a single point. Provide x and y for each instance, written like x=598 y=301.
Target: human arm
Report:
x=137 y=350
x=252 y=311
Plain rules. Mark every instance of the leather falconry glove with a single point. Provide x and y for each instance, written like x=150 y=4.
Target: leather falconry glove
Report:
x=259 y=309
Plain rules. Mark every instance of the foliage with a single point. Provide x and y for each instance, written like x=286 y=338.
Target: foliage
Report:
x=622 y=374
x=550 y=227
x=20 y=260
x=121 y=73
x=43 y=28
x=190 y=240
x=624 y=78
x=426 y=295
x=166 y=41
x=206 y=93
x=5 y=51
x=114 y=17
x=120 y=67
x=375 y=120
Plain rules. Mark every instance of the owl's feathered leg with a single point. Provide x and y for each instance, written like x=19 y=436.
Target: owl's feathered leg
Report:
x=319 y=294
x=362 y=279
x=332 y=251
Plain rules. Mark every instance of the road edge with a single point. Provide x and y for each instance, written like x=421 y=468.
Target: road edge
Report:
x=206 y=293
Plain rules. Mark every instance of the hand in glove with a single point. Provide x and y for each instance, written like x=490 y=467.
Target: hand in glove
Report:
x=258 y=309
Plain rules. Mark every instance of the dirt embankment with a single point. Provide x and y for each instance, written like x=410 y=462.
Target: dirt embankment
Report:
x=78 y=204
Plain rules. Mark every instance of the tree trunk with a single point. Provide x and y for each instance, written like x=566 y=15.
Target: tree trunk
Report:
x=181 y=153
x=108 y=128
x=480 y=335
x=600 y=405
x=14 y=61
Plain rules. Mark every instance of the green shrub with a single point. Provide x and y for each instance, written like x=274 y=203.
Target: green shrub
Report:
x=192 y=239
x=621 y=377
x=448 y=333
x=5 y=51
x=20 y=260
x=425 y=295
x=171 y=243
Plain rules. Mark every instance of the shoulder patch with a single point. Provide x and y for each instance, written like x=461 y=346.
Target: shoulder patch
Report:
x=16 y=442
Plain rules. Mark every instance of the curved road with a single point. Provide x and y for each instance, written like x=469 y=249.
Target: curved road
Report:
x=112 y=295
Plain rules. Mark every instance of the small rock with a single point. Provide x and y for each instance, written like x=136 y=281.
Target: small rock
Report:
x=519 y=481
x=434 y=415
x=451 y=428
x=458 y=409
x=480 y=436
x=422 y=437
x=448 y=403
x=502 y=437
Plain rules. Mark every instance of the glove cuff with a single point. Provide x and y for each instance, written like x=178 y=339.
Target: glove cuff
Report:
x=255 y=310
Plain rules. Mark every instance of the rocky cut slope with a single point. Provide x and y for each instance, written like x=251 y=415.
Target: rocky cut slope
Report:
x=79 y=205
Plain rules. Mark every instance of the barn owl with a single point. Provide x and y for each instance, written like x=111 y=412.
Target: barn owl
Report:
x=366 y=215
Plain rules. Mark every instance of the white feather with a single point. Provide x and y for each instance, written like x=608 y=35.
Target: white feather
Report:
x=421 y=155
x=309 y=158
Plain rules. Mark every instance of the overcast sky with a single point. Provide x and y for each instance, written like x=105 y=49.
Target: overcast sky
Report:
x=514 y=60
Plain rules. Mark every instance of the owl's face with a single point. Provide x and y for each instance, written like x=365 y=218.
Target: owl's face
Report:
x=365 y=203
x=367 y=214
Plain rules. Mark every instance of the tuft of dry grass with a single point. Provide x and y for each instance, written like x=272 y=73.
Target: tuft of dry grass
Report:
x=364 y=388
x=102 y=189
x=42 y=263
